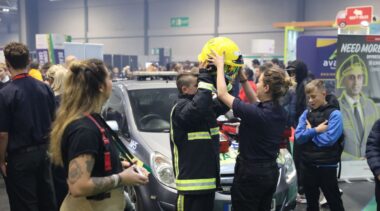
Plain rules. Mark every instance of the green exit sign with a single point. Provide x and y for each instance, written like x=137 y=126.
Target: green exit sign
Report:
x=179 y=22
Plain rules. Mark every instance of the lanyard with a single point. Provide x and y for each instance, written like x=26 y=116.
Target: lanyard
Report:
x=107 y=155
x=19 y=76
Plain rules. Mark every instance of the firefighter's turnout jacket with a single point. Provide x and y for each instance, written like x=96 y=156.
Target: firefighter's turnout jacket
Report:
x=194 y=139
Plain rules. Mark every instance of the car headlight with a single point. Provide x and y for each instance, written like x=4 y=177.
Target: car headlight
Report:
x=163 y=169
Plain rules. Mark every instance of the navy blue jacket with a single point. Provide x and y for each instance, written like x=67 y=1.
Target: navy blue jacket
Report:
x=373 y=149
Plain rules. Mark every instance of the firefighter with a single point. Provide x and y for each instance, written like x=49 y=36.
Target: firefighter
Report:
x=194 y=133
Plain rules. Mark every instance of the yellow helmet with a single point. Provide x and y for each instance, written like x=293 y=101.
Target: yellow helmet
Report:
x=233 y=59
x=353 y=64
x=222 y=45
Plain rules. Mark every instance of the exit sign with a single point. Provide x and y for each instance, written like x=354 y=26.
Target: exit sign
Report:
x=179 y=22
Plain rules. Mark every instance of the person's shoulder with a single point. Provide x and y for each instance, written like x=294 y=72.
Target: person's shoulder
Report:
x=81 y=124
x=9 y=89
x=336 y=114
x=367 y=100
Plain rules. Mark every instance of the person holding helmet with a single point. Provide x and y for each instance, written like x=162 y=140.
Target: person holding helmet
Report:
x=194 y=133
x=359 y=112
x=260 y=133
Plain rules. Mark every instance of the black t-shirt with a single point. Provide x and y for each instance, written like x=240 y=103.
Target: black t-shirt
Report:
x=82 y=136
x=27 y=108
x=260 y=131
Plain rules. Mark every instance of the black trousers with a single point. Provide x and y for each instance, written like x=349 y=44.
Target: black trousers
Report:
x=253 y=186
x=297 y=162
x=377 y=193
x=29 y=182
x=326 y=179
x=196 y=202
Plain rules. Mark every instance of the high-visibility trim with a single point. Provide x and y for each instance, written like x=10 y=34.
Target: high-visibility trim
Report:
x=196 y=184
x=176 y=166
x=180 y=202
x=208 y=86
x=198 y=135
x=214 y=131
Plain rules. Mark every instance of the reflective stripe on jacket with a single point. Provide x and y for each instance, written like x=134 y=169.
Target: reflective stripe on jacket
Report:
x=194 y=141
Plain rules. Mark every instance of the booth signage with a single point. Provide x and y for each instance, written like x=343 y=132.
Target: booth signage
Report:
x=357 y=81
x=356 y=15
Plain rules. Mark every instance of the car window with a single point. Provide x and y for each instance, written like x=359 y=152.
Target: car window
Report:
x=151 y=108
x=114 y=110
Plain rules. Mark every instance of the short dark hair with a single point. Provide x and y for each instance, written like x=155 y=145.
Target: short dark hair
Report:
x=255 y=62
x=46 y=66
x=184 y=79
x=34 y=65
x=275 y=61
x=16 y=55
x=249 y=74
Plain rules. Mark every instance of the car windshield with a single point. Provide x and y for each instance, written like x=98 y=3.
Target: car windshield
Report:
x=151 y=108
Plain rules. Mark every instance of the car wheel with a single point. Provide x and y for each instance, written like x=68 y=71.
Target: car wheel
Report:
x=133 y=200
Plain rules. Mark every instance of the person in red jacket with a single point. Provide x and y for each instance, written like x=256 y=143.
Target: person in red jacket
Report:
x=249 y=73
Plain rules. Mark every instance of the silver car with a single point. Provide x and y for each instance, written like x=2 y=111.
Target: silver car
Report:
x=140 y=112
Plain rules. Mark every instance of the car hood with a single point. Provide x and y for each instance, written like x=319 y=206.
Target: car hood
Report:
x=157 y=142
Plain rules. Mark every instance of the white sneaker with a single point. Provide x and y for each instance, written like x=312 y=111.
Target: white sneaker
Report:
x=323 y=200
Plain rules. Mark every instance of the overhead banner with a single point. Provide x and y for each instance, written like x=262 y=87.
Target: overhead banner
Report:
x=358 y=92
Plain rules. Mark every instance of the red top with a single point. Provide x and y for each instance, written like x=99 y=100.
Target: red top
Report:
x=242 y=95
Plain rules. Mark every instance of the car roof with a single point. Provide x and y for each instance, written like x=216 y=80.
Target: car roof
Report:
x=152 y=84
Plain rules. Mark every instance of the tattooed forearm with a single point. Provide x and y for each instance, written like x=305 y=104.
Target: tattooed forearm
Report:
x=102 y=184
x=75 y=172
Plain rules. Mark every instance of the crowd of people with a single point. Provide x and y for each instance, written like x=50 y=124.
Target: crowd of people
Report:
x=56 y=150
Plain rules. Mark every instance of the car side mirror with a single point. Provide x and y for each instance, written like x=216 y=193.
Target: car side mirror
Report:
x=113 y=125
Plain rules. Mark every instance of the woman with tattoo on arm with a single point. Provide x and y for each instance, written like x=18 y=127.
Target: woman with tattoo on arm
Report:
x=81 y=143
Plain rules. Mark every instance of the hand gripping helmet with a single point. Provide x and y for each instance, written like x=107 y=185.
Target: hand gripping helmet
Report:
x=353 y=64
x=233 y=59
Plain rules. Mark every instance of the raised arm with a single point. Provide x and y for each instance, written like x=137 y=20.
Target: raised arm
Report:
x=221 y=85
x=249 y=93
